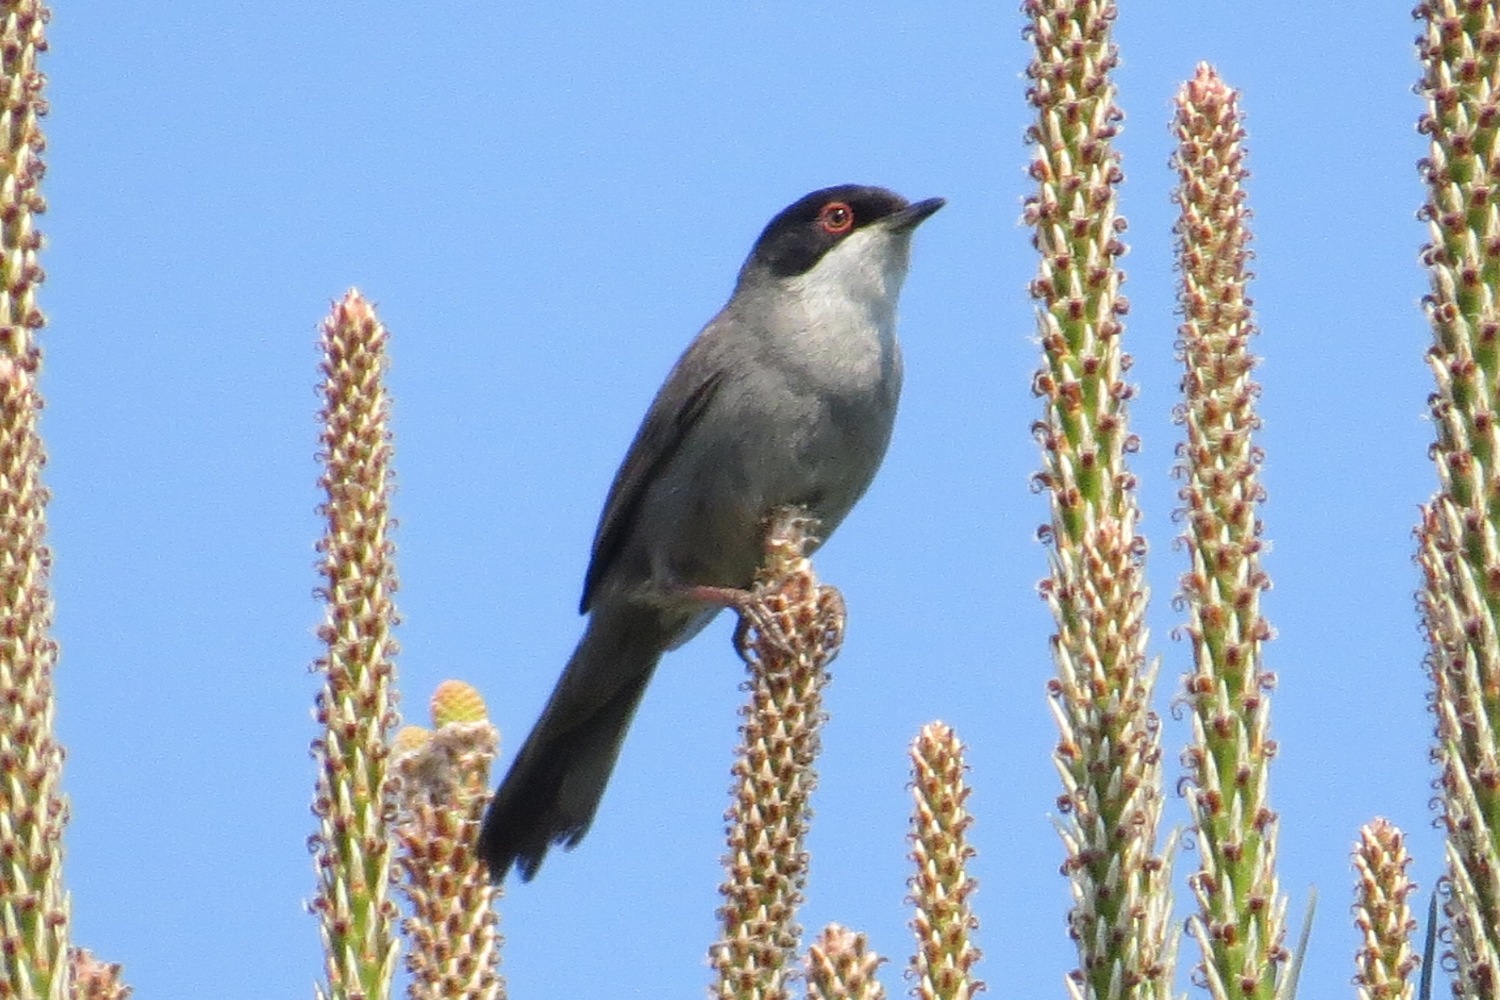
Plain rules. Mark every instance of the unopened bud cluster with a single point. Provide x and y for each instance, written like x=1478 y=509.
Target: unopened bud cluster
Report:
x=943 y=967
x=841 y=966
x=1382 y=914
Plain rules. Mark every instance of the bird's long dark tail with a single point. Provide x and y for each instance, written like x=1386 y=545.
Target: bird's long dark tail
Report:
x=553 y=788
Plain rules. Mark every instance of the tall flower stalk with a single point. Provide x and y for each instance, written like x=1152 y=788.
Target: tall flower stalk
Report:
x=1109 y=753
x=791 y=628
x=1459 y=534
x=22 y=40
x=34 y=919
x=353 y=801
x=1241 y=918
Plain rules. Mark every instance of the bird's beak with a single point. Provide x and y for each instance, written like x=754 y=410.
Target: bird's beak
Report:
x=912 y=216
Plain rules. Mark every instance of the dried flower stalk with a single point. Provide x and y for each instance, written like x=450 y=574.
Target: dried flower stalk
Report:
x=1385 y=961
x=840 y=966
x=1109 y=753
x=942 y=968
x=96 y=980
x=1241 y=920
x=34 y=956
x=1458 y=544
x=791 y=628
x=453 y=932
x=352 y=849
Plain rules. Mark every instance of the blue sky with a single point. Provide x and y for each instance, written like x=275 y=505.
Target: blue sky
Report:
x=546 y=201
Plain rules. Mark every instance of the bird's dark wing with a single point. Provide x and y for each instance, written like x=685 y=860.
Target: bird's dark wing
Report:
x=666 y=426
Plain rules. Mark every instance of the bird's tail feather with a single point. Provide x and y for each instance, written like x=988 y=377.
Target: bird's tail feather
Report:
x=553 y=788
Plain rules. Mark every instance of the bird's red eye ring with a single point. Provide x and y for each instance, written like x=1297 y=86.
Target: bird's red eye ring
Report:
x=837 y=218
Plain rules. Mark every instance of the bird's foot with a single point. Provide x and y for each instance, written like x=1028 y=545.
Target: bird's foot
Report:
x=751 y=609
x=724 y=597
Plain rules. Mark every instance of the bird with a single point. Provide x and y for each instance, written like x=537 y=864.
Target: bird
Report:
x=786 y=398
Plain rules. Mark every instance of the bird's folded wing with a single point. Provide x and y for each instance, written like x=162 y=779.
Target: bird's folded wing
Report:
x=676 y=410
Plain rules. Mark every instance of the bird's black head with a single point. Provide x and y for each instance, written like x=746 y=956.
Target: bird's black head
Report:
x=800 y=234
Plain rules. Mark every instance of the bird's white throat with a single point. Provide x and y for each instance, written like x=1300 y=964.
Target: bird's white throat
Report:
x=848 y=299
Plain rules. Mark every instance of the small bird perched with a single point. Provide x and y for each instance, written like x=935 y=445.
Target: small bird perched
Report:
x=785 y=399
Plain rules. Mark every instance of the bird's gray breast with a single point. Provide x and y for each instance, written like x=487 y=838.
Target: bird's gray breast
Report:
x=802 y=418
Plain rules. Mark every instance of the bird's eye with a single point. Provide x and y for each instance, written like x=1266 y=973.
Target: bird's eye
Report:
x=836 y=218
